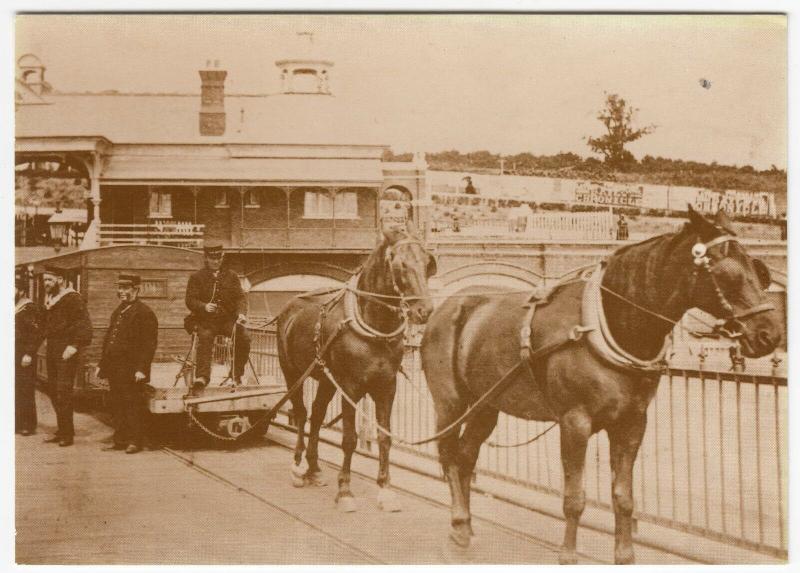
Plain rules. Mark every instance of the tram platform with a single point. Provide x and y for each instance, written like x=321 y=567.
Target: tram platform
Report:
x=208 y=505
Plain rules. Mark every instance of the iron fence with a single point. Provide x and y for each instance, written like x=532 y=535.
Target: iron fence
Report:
x=712 y=462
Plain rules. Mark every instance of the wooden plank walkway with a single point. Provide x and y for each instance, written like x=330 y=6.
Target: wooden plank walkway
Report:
x=80 y=505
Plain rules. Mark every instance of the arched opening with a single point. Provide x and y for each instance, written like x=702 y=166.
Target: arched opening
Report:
x=48 y=185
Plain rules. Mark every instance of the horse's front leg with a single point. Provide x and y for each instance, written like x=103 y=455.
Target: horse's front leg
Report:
x=384 y=399
x=344 y=498
x=576 y=428
x=318 y=410
x=624 y=442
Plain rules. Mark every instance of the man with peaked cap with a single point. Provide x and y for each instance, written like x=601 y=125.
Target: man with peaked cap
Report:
x=217 y=302
x=28 y=334
x=68 y=329
x=128 y=350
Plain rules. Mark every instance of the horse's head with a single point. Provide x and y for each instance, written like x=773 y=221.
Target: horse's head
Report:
x=731 y=285
x=410 y=266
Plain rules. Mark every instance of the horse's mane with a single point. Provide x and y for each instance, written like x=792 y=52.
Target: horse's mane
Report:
x=626 y=249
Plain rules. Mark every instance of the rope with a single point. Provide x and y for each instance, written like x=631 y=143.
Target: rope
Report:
x=491 y=444
x=525 y=443
x=639 y=307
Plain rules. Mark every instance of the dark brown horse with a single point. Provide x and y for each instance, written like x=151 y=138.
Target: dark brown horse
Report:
x=474 y=339
x=360 y=334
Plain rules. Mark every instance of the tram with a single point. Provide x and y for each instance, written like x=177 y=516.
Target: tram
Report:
x=223 y=410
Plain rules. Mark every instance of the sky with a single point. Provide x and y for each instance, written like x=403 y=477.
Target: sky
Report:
x=505 y=83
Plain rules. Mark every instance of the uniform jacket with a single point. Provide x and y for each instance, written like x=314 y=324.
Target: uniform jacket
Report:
x=67 y=322
x=130 y=341
x=224 y=290
x=28 y=329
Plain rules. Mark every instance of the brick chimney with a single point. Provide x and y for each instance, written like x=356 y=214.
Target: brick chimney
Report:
x=212 y=99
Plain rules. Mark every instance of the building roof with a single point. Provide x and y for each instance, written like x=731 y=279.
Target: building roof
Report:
x=68 y=216
x=311 y=119
x=263 y=170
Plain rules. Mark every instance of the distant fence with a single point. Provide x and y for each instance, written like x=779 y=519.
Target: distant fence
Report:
x=540 y=226
x=712 y=462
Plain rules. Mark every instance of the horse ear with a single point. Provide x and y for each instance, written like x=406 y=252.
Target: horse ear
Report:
x=724 y=222
x=762 y=271
x=699 y=224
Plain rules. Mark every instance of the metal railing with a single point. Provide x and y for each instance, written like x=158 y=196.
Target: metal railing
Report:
x=712 y=462
x=173 y=233
x=539 y=226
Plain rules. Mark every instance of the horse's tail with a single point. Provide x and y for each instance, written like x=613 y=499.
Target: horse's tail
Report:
x=285 y=321
x=440 y=351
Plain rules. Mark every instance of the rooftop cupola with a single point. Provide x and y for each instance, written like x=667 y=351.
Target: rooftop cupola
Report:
x=30 y=72
x=305 y=71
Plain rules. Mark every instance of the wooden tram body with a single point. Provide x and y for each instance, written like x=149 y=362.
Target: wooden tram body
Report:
x=165 y=271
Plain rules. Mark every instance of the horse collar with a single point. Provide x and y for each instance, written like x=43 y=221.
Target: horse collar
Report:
x=599 y=335
x=357 y=322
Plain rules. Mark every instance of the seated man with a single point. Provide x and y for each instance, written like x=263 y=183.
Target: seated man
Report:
x=217 y=302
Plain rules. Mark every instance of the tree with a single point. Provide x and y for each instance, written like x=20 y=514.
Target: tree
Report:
x=617 y=117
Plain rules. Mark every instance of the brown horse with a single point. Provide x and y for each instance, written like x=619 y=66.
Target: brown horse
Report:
x=473 y=340
x=359 y=334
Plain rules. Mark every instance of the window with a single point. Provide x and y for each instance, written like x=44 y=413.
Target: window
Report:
x=153 y=288
x=318 y=205
x=252 y=199
x=160 y=205
x=221 y=198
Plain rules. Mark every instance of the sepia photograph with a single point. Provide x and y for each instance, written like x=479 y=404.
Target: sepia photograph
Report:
x=400 y=289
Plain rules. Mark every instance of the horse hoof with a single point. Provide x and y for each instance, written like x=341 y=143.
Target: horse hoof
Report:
x=625 y=557
x=300 y=468
x=315 y=479
x=460 y=536
x=387 y=500
x=346 y=504
x=567 y=557
x=298 y=475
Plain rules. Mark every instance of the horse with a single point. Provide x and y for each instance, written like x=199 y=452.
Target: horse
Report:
x=535 y=358
x=355 y=337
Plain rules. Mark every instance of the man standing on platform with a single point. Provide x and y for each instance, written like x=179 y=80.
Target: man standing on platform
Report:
x=128 y=350
x=28 y=336
x=217 y=302
x=68 y=329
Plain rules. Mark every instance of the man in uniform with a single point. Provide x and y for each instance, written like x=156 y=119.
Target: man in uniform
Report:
x=68 y=328
x=128 y=350
x=28 y=336
x=217 y=302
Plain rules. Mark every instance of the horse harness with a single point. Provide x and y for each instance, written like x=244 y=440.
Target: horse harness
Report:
x=596 y=329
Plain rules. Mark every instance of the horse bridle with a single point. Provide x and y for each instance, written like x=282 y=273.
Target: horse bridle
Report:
x=731 y=319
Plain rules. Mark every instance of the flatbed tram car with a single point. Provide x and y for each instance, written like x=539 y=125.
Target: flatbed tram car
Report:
x=222 y=410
